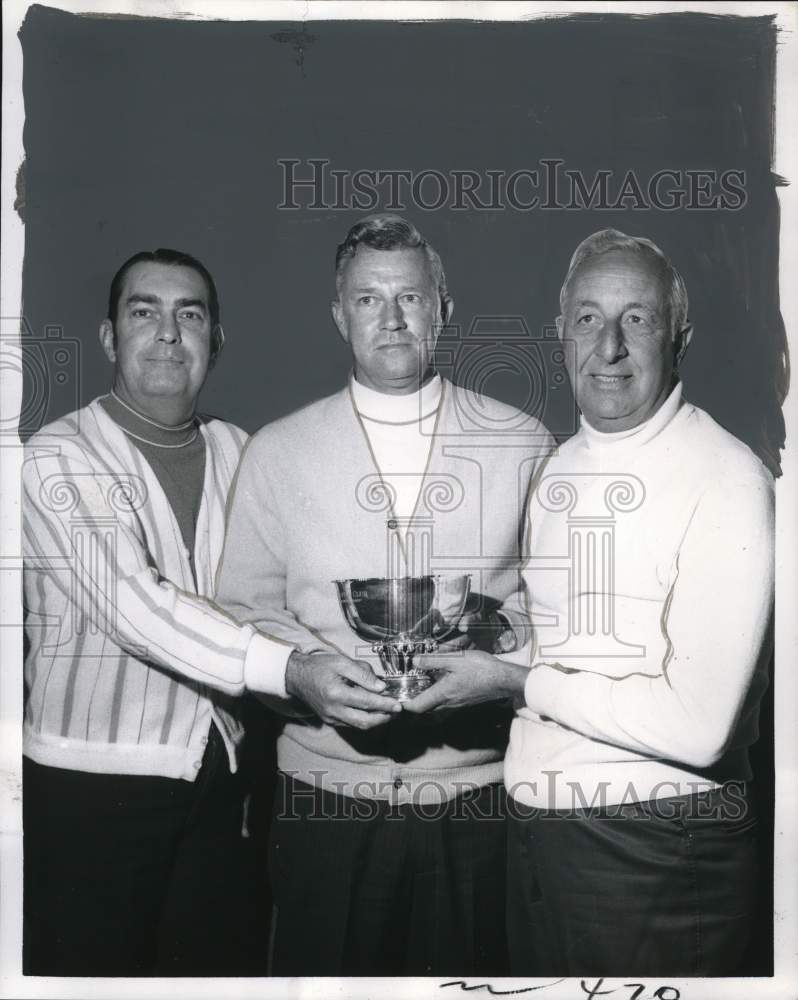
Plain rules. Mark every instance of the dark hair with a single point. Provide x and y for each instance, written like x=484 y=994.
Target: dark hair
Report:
x=174 y=258
x=388 y=232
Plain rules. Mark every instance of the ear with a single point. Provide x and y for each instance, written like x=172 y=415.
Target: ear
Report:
x=681 y=342
x=444 y=316
x=559 y=323
x=217 y=343
x=338 y=318
x=447 y=310
x=108 y=340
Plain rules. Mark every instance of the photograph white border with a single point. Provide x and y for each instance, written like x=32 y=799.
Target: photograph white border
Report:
x=784 y=983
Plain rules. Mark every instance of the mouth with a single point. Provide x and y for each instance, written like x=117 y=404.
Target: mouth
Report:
x=165 y=361
x=609 y=380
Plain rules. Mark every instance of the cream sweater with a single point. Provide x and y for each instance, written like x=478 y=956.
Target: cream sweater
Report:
x=655 y=596
x=310 y=508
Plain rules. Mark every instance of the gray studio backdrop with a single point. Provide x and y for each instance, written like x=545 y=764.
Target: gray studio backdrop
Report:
x=145 y=132
x=505 y=143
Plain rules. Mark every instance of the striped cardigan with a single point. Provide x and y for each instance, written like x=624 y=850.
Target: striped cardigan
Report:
x=128 y=661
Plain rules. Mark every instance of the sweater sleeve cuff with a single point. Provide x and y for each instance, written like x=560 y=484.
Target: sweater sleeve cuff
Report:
x=542 y=689
x=265 y=663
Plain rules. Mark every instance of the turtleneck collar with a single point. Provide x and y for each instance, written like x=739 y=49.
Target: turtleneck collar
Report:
x=143 y=429
x=415 y=406
x=642 y=433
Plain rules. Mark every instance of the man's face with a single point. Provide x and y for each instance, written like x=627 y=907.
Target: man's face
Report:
x=389 y=312
x=161 y=342
x=617 y=314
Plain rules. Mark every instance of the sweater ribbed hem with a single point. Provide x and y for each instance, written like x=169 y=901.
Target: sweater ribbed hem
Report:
x=114 y=758
x=586 y=786
x=386 y=780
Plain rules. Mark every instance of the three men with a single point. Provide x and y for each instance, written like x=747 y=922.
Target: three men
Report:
x=387 y=852
x=131 y=729
x=632 y=833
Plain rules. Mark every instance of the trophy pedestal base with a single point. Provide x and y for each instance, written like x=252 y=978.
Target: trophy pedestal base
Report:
x=403 y=687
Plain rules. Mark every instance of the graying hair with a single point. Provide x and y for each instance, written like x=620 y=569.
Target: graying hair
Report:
x=612 y=239
x=388 y=232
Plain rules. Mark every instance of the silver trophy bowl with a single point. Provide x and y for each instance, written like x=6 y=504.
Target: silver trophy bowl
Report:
x=403 y=617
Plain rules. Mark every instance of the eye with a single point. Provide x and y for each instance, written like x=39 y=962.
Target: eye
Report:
x=141 y=312
x=585 y=319
x=411 y=298
x=189 y=315
x=637 y=319
x=365 y=300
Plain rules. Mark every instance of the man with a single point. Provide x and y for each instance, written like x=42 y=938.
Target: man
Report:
x=134 y=859
x=632 y=833
x=387 y=853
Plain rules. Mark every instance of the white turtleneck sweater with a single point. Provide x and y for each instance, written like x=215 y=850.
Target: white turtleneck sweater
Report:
x=400 y=430
x=651 y=602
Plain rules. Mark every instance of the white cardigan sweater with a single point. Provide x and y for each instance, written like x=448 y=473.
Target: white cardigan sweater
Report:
x=128 y=661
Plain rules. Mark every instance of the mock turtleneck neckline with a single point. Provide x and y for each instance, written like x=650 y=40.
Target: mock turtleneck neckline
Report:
x=640 y=434
x=381 y=406
x=146 y=431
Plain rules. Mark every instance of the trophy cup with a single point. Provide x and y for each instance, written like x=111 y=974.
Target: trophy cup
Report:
x=403 y=617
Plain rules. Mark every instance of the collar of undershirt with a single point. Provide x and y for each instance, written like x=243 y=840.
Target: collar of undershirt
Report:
x=635 y=436
x=381 y=407
x=144 y=430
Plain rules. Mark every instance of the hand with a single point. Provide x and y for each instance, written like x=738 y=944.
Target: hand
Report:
x=468 y=678
x=342 y=692
x=482 y=628
x=461 y=639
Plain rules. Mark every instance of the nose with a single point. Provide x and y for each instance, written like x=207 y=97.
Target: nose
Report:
x=168 y=329
x=393 y=318
x=611 y=344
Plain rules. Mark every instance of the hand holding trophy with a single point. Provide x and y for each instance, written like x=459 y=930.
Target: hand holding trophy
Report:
x=404 y=617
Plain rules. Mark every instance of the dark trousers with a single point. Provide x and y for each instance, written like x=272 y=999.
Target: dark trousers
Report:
x=650 y=889
x=366 y=888
x=137 y=876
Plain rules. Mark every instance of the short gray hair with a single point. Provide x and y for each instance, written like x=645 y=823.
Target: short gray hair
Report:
x=388 y=232
x=612 y=239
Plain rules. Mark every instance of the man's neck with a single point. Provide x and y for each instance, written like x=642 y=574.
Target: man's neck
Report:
x=147 y=429
x=641 y=433
x=165 y=412
x=422 y=403
x=400 y=387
